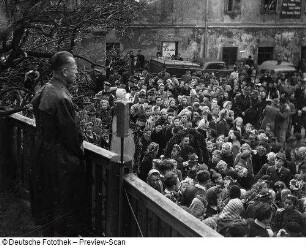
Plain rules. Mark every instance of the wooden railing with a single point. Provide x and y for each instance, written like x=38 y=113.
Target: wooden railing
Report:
x=118 y=203
x=156 y=215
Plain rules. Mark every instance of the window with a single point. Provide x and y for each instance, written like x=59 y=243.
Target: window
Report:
x=233 y=6
x=269 y=6
x=211 y=66
x=264 y=54
x=229 y=55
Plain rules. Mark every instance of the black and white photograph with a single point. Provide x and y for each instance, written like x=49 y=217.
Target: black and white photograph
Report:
x=124 y=119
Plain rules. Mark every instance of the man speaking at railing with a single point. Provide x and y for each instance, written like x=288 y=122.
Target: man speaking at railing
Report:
x=57 y=173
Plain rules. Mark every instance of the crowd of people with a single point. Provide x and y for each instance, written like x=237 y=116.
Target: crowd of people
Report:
x=230 y=151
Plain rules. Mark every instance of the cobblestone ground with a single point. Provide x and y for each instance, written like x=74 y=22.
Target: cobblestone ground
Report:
x=15 y=217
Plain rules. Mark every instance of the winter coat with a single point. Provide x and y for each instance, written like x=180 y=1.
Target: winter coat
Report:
x=282 y=124
x=241 y=104
x=57 y=171
x=269 y=117
x=160 y=139
x=146 y=166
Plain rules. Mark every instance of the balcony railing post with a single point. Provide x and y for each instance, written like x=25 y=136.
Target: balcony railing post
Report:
x=7 y=164
x=115 y=194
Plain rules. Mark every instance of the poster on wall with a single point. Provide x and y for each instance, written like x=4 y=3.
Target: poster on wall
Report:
x=169 y=49
x=291 y=9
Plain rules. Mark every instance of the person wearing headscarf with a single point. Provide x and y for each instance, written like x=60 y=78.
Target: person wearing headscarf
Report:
x=153 y=179
x=230 y=213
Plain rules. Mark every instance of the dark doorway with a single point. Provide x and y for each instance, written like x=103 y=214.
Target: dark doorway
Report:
x=264 y=54
x=303 y=52
x=229 y=55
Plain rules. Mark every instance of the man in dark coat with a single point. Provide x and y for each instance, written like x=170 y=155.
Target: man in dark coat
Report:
x=242 y=103
x=279 y=172
x=57 y=172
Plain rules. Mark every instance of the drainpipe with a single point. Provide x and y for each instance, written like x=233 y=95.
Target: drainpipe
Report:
x=205 y=39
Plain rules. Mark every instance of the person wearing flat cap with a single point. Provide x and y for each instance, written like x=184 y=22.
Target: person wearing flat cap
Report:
x=106 y=92
x=278 y=172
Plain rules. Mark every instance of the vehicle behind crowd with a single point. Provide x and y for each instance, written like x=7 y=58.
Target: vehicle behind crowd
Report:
x=180 y=67
x=217 y=67
x=277 y=67
x=174 y=67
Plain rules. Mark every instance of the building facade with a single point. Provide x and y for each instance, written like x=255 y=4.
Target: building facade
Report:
x=228 y=30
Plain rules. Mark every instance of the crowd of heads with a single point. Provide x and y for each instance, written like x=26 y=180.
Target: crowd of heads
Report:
x=229 y=150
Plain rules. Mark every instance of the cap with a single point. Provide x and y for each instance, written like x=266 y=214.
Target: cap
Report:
x=151 y=92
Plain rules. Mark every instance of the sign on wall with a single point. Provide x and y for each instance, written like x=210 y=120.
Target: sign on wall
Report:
x=291 y=9
x=169 y=49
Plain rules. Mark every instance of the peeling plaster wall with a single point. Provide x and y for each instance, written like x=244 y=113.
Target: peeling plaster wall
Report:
x=286 y=42
x=150 y=40
x=183 y=21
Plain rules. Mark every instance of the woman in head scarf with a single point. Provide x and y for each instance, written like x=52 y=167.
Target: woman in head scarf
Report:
x=154 y=180
x=230 y=214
